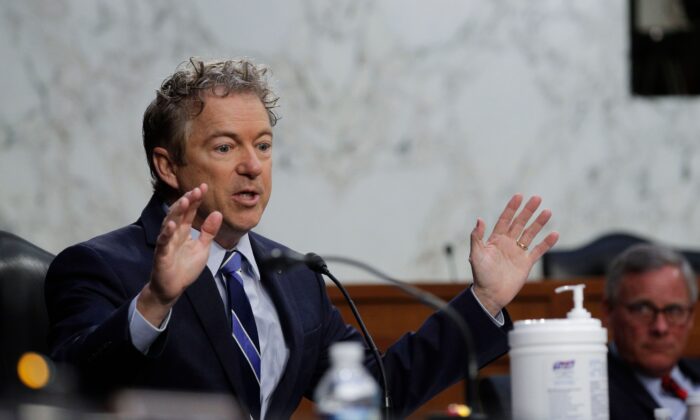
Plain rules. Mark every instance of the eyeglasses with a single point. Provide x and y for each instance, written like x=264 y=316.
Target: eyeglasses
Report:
x=647 y=312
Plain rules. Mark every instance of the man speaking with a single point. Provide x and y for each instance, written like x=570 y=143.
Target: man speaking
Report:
x=177 y=301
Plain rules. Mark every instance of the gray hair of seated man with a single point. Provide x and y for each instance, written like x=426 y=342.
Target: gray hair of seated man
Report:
x=642 y=258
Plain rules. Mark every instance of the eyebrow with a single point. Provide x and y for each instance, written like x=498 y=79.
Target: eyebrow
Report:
x=235 y=136
x=650 y=303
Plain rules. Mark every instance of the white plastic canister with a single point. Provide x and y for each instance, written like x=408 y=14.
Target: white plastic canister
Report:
x=559 y=366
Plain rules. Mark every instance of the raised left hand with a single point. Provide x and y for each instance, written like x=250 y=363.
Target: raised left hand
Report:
x=501 y=264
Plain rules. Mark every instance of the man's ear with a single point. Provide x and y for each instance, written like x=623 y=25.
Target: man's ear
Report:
x=166 y=168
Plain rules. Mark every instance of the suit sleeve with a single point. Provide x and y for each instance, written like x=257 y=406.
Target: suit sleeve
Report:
x=423 y=363
x=88 y=307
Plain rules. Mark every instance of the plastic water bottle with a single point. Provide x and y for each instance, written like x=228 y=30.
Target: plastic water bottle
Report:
x=347 y=391
x=663 y=414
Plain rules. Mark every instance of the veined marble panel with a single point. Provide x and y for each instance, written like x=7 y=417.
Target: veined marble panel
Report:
x=402 y=121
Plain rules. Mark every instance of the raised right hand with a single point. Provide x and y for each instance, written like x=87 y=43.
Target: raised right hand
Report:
x=501 y=264
x=178 y=259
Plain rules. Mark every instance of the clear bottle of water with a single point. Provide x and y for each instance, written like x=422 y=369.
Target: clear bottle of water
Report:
x=663 y=414
x=347 y=391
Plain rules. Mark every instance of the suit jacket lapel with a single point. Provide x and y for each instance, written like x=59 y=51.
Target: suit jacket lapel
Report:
x=624 y=376
x=151 y=219
x=206 y=301
x=276 y=284
x=207 y=304
x=691 y=369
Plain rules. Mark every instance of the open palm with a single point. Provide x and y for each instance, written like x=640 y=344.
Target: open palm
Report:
x=501 y=264
x=178 y=259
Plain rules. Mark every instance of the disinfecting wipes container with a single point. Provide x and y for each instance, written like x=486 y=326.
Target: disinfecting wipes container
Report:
x=558 y=367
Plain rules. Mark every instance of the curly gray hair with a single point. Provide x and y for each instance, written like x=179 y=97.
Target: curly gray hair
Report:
x=181 y=98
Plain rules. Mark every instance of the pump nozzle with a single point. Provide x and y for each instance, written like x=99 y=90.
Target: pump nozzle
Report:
x=578 y=310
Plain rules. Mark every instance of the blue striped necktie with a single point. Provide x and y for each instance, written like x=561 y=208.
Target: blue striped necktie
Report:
x=244 y=331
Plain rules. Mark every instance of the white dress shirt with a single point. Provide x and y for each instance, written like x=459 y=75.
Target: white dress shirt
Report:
x=676 y=405
x=273 y=349
x=274 y=352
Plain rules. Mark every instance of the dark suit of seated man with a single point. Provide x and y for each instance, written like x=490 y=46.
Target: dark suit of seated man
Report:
x=176 y=300
x=650 y=293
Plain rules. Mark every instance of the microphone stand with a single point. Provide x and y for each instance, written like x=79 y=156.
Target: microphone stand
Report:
x=285 y=258
x=471 y=386
x=281 y=258
x=368 y=340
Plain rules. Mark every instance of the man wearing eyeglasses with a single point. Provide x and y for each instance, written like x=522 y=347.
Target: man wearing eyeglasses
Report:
x=650 y=293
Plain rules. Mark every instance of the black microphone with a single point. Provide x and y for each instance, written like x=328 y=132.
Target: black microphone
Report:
x=451 y=264
x=285 y=258
x=288 y=258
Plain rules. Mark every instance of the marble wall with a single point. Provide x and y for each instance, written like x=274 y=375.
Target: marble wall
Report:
x=402 y=121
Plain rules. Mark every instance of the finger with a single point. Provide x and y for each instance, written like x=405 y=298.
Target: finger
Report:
x=478 y=231
x=176 y=211
x=544 y=246
x=477 y=235
x=531 y=232
x=195 y=197
x=196 y=194
x=507 y=215
x=516 y=229
x=164 y=237
x=210 y=227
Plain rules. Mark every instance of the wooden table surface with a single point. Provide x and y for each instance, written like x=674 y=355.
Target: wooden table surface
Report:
x=389 y=313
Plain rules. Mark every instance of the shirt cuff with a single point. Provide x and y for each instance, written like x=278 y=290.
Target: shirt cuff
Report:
x=143 y=333
x=498 y=319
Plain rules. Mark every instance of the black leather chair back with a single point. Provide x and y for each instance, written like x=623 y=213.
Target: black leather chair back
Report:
x=589 y=260
x=593 y=259
x=23 y=317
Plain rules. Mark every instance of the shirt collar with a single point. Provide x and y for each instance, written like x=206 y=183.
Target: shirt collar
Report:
x=245 y=248
x=217 y=254
x=652 y=382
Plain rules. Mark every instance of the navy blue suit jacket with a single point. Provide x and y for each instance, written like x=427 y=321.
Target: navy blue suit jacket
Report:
x=89 y=287
x=629 y=399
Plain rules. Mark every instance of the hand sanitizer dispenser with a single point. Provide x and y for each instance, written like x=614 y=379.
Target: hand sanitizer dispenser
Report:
x=558 y=367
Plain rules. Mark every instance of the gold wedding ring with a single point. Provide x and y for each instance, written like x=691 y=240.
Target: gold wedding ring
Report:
x=521 y=245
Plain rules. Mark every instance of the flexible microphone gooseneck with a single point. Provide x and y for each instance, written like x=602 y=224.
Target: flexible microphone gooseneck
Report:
x=279 y=259
x=316 y=263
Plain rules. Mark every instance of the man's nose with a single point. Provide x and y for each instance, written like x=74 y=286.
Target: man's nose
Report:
x=249 y=163
x=660 y=324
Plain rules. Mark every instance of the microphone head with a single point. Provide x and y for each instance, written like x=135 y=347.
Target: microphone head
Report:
x=285 y=258
x=281 y=259
x=316 y=263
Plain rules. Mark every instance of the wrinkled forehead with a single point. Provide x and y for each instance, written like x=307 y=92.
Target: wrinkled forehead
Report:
x=663 y=285
x=231 y=112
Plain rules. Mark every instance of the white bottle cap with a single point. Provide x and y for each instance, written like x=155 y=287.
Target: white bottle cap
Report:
x=662 y=414
x=344 y=352
x=578 y=310
x=693 y=398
